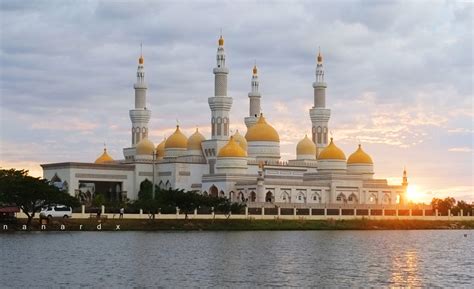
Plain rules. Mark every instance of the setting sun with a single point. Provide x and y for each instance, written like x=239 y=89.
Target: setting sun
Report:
x=413 y=194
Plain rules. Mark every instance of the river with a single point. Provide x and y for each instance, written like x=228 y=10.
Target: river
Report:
x=326 y=259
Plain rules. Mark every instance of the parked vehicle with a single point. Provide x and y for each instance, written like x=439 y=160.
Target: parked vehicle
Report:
x=58 y=211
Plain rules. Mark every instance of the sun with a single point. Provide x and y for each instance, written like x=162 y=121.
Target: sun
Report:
x=413 y=194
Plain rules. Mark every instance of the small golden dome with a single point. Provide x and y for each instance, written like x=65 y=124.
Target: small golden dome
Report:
x=232 y=150
x=359 y=157
x=254 y=70
x=104 y=158
x=240 y=140
x=160 y=149
x=145 y=147
x=141 y=60
x=262 y=131
x=221 y=41
x=195 y=140
x=177 y=140
x=332 y=152
x=320 y=57
x=306 y=147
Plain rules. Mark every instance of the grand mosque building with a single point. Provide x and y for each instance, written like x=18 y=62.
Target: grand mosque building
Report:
x=243 y=167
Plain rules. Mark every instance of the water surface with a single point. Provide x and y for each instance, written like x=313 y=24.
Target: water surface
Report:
x=237 y=259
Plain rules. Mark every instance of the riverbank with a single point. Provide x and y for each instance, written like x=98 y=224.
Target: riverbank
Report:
x=233 y=225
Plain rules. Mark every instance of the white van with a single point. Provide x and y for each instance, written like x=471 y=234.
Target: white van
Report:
x=58 y=211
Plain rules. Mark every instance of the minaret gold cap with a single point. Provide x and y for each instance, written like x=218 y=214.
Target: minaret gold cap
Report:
x=141 y=60
x=221 y=41
x=254 y=70
x=320 y=57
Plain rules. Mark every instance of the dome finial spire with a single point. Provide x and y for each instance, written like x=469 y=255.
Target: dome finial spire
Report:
x=221 y=39
x=141 y=60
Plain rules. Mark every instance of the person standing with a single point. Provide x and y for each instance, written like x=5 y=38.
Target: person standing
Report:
x=122 y=210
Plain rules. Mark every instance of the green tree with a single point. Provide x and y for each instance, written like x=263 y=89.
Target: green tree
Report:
x=443 y=205
x=146 y=190
x=98 y=200
x=31 y=194
x=462 y=205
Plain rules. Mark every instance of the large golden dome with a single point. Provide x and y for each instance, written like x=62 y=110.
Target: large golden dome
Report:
x=359 y=157
x=240 y=140
x=104 y=158
x=232 y=150
x=195 y=140
x=306 y=147
x=160 y=149
x=262 y=131
x=177 y=140
x=145 y=147
x=331 y=152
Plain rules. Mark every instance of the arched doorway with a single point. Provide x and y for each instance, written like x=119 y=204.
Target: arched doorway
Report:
x=213 y=191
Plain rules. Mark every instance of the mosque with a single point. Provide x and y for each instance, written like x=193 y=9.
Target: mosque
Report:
x=245 y=168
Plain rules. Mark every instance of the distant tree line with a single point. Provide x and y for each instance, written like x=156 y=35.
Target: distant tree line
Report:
x=444 y=205
x=167 y=200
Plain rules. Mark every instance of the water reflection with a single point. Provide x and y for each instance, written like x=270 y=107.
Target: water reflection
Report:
x=405 y=270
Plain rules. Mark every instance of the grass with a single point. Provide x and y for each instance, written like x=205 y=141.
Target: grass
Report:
x=241 y=225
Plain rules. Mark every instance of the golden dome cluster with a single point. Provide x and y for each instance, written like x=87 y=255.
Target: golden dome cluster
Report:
x=104 y=158
x=240 y=140
x=232 y=150
x=359 y=157
x=262 y=131
x=331 y=152
x=306 y=147
x=177 y=140
x=145 y=147
x=195 y=140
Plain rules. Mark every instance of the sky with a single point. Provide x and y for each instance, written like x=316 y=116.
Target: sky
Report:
x=399 y=76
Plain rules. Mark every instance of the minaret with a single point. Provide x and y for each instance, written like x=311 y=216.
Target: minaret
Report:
x=220 y=104
x=319 y=113
x=140 y=116
x=405 y=178
x=254 y=97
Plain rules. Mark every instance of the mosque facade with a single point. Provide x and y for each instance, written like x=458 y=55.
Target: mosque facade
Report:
x=245 y=168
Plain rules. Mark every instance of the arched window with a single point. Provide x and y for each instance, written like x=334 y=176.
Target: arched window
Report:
x=316 y=198
x=387 y=199
x=341 y=198
x=221 y=194
x=353 y=199
x=253 y=196
x=300 y=198
x=285 y=197
x=241 y=197
x=269 y=197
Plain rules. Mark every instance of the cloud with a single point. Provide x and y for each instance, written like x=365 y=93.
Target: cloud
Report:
x=461 y=150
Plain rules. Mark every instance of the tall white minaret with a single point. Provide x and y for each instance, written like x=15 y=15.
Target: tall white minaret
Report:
x=140 y=116
x=220 y=104
x=319 y=113
x=254 y=97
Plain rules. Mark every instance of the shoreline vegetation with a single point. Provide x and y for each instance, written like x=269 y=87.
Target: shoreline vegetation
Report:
x=232 y=225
